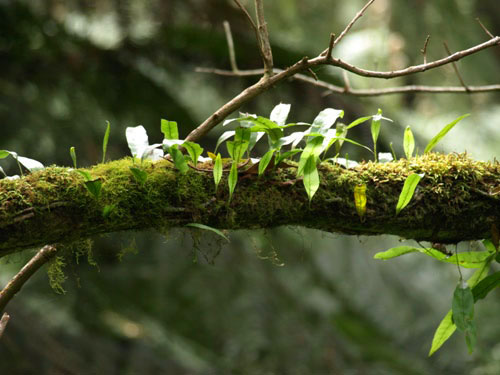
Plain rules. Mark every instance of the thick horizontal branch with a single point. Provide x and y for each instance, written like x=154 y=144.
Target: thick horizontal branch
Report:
x=456 y=200
x=360 y=92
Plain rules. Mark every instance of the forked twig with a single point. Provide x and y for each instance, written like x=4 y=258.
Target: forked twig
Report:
x=424 y=49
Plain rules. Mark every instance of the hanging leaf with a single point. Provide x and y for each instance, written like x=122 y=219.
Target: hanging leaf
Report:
x=232 y=179
x=264 y=162
x=408 y=143
x=139 y=174
x=395 y=252
x=206 y=227
x=311 y=177
x=443 y=332
x=462 y=306
x=434 y=141
x=72 y=152
x=169 y=129
x=406 y=194
x=313 y=148
x=486 y=285
x=360 y=199
x=194 y=150
x=217 y=171
x=105 y=142
x=279 y=114
x=179 y=160
x=94 y=187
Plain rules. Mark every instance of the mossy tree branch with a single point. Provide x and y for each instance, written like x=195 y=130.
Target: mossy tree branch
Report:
x=456 y=200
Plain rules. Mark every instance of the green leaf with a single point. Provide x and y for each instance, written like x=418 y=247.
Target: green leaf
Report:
x=313 y=148
x=232 y=179
x=443 y=332
x=169 y=129
x=254 y=138
x=434 y=141
x=395 y=252
x=406 y=194
x=242 y=134
x=264 y=162
x=358 y=121
x=217 y=171
x=105 y=142
x=206 y=227
x=471 y=337
x=360 y=199
x=325 y=120
x=194 y=150
x=179 y=160
x=107 y=210
x=311 y=177
x=286 y=155
x=486 y=285
x=469 y=259
x=72 y=152
x=488 y=244
x=279 y=114
x=86 y=175
x=236 y=149
x=408 y=142
x=94 y=187
x=481 y=273
x=340 y=132
x=4 y=154
x=462 y=306
x=375 y=130
x=262 y=124
x=139 y=174
x=225 y=136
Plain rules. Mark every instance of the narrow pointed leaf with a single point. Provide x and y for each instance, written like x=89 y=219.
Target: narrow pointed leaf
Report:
x=358 y=121
x=232 y=179
x=140 y=175
x=395 y=252
x=462 y=306
x=406 y=194
x=264 y=162
x=443 y=332
x=408 y=143
x=486 y=285
x=105 y=142
x=217 y=171
x=72 y=152
x=179 y=160
x=311 y=177
x=224 y=137
x=313 y=148
x=206 y=227
x=434 y=141
x=94 y=187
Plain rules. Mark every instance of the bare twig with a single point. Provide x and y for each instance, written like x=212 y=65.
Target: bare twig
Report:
x=42 y=256
x=424 y=50
x=230 y=46
x=3 y=323
x=349 y=25
x=455 y=68
x=484 y=28
x=347 y=84
x=249 y=17
x=264 y=44
x=328 y=53
x=311 y=72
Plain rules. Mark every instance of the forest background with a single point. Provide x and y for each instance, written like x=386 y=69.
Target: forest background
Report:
x=286 y=300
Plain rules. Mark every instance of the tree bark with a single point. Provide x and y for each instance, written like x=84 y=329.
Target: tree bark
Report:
x=458 y=199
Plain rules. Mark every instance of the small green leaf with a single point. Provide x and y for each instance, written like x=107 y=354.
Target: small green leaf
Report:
x=233 y=178
x=217 y=171
x=236 y=149
x=311 y=177
x=462 y=306
x=471 y=337
x=286 y=155
x=206 y=227
x=486 y=285
x=375 y=130
x=94 y=187
x=395 y=252
x=105 y=142
x=406 y=194
x=443 y=332
x=340 y=132
x=4 y=154
x=72 y=152
x=179 y=160
x=358 y=121
x=224 y=137
x=242 y=134
x=434 y=141
x=107 y=210
x=313 y=148
x=86 y=175
x=139 y=174
x=325 y=120
x=408 y=143
x=264 y=161
x=194 y=150
x=169 y=129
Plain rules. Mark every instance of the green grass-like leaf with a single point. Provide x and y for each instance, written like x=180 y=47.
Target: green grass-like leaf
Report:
x=408 y=142
x=406 y=194
x=194 y=150
x=72 y=152
x=233 y=178
x=264 y=161
x=206 y=227
x=395 y=252
x=217 y=171
x=311 y=177
x=434 y=141
x=94 y=187
x=105 y=142
x=443 y=332
x=179 y=160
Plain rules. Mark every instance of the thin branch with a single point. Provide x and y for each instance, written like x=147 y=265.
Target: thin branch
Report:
x=265 y=45
x=249 y=17
x=349 y=25
x=484 y=28
x=42 y=256
x=455 y=68
x=328 y=53
x=424 y=50
x=230 y=46
x=347 y=84
x=3 y=323
x=360 y=92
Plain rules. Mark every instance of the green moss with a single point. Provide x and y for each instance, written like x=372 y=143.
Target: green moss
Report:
x=55 y=272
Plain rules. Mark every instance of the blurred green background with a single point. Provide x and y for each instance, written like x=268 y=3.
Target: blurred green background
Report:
x=280 y=301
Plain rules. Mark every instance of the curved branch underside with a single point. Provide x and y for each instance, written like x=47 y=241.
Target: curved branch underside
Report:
x=458 y=199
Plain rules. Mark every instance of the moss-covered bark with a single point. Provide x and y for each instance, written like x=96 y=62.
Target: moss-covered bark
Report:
x=458 y=199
